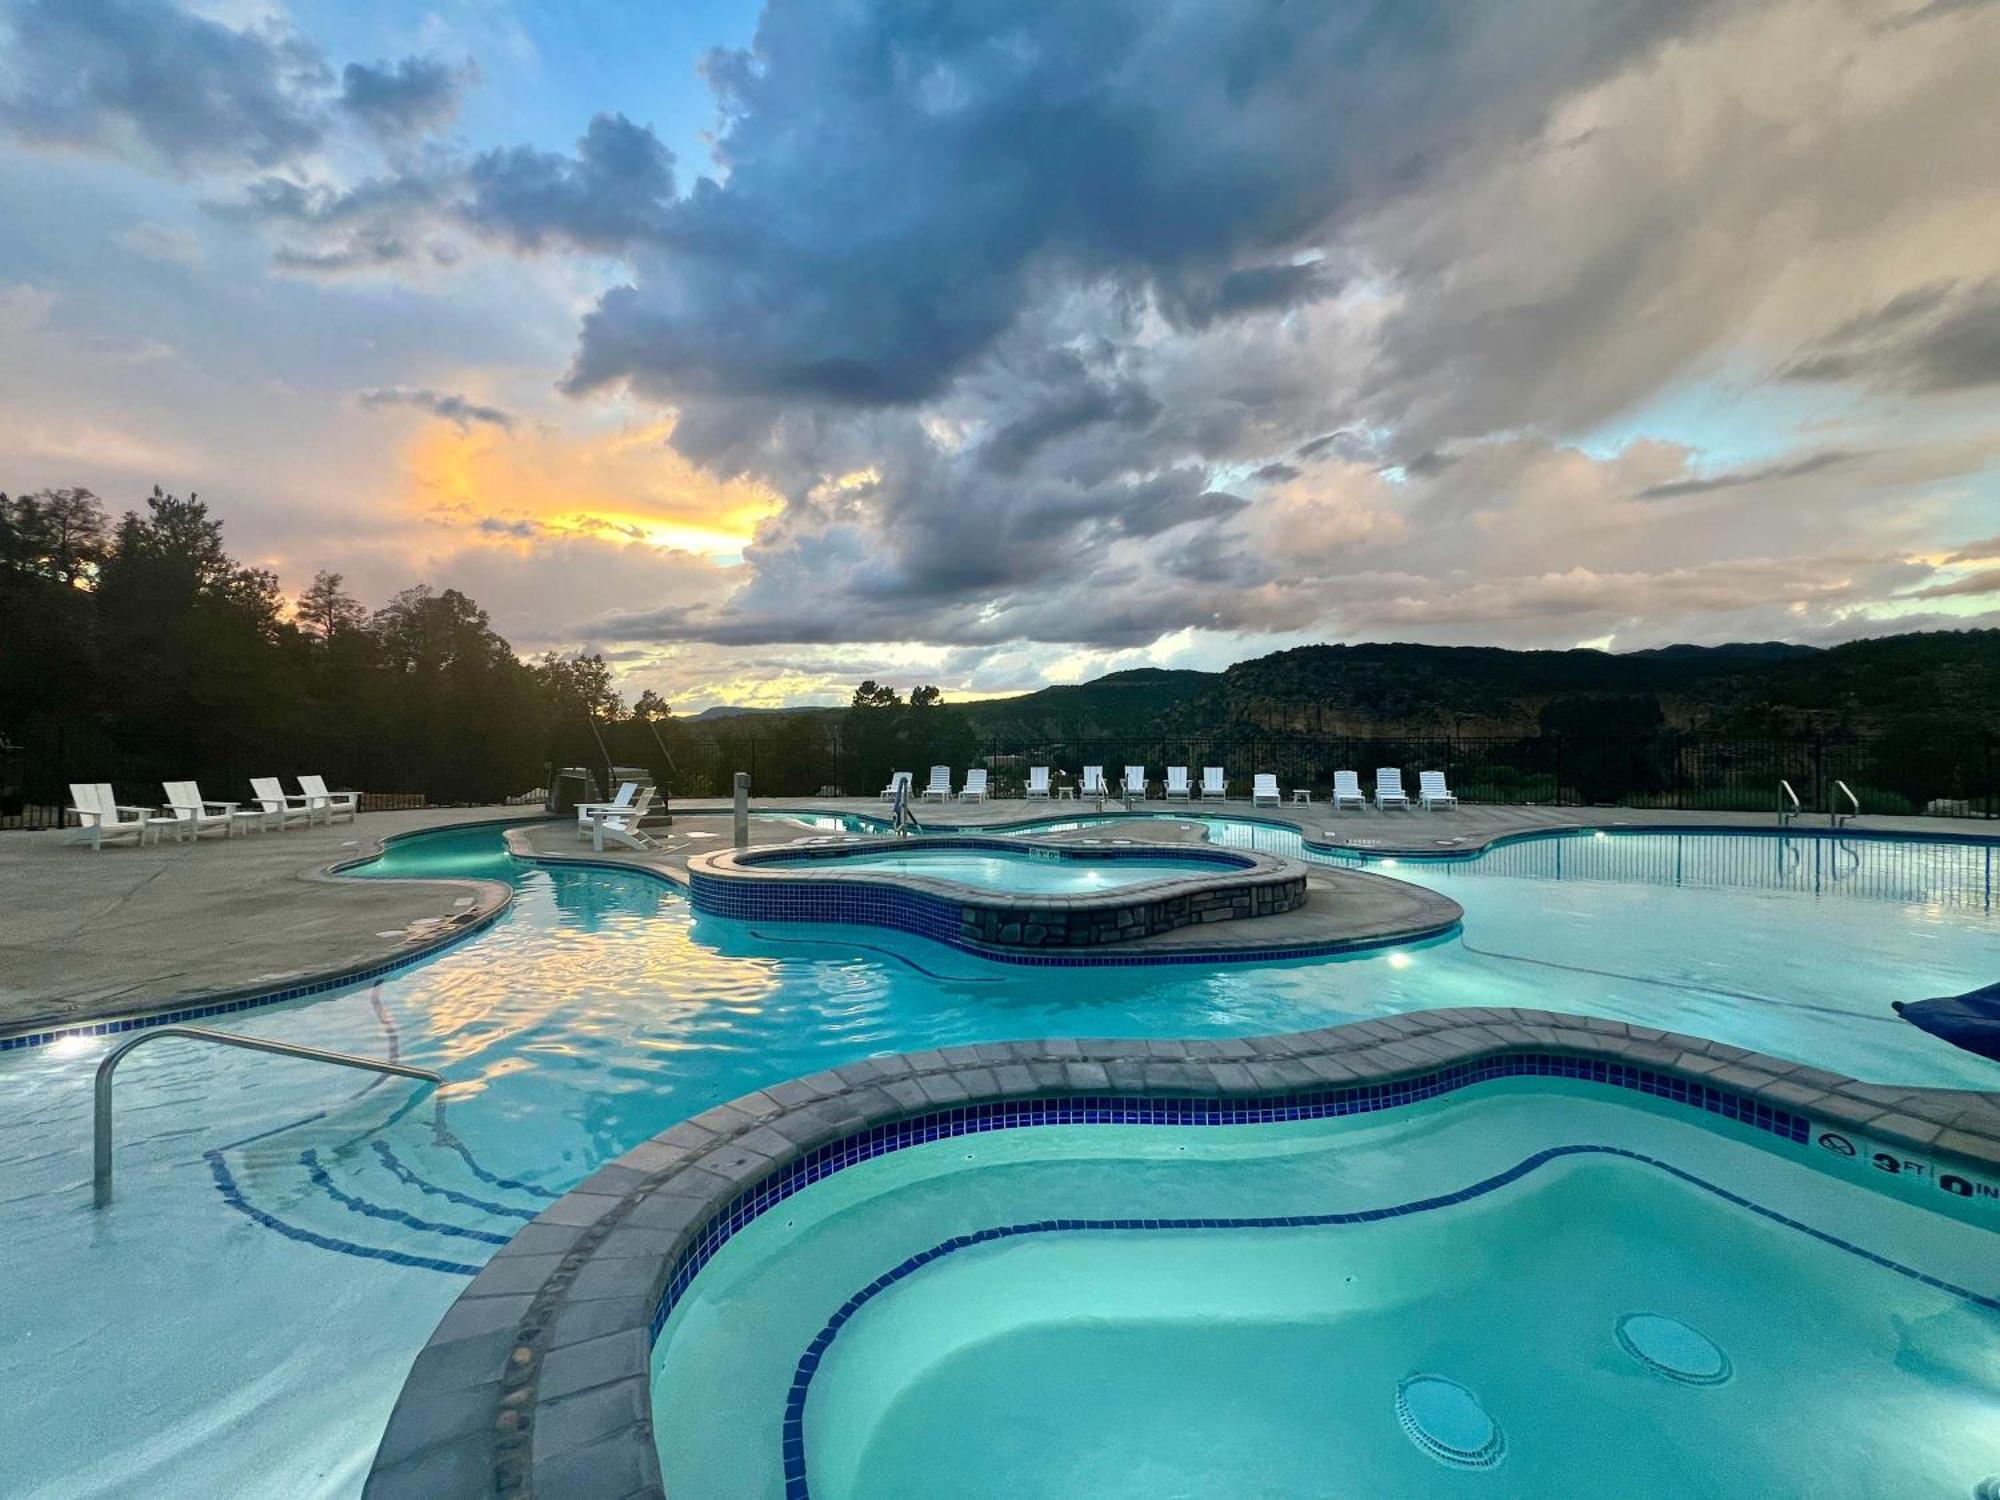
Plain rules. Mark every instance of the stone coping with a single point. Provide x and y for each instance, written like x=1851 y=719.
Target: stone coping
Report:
x=489 y=900
x=537 y=1381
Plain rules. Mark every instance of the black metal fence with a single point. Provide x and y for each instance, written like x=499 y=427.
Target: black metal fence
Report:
x=1888 y=773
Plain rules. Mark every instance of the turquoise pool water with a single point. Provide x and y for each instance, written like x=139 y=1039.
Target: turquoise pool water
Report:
x=1072 y=874
x=598 y=1012
x=1210 y=1361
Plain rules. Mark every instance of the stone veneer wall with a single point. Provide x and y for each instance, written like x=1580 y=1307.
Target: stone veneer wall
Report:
x=1086 y=927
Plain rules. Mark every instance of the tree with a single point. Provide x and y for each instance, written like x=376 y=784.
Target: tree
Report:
x=651 y=707
x=927 y=697
x=327 y=611
x=54 y=534
x=873 y=694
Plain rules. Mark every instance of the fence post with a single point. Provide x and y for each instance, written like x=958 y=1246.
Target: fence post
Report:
x=1559 y=768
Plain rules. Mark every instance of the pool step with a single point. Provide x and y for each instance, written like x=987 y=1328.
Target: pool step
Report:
x=397 y=1195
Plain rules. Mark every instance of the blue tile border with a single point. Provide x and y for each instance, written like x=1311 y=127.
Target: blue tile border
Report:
x=1111 y=1109
x=792 y=1450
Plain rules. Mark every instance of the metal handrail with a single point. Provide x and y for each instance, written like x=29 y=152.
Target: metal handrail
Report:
x=1786 y=794
x=1833 y=813
x=101 y=1173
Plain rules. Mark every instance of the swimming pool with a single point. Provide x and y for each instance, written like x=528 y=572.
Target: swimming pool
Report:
x=598 y=1011
x=1041 y=871
x=1570 y=1295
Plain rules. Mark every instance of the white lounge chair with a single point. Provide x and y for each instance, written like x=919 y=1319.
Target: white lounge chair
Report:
x=1135 y=783
x=198 y=814
x=620 y=801
x=1213 y=784
x=1347 y=791
x=1177 y=784
x=1264 y=788
x=1038 y=781
x=1093 y=781
x=1432 y=792
x=974 y=789
x=329 y=805
x=281 y=808
x=621 y=825
x=1389 y=788
x=101 y=816
x=940 y=784
x=899 y=781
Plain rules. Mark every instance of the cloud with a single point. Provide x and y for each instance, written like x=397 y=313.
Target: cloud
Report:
x=448 y=405
x=174 y=244
x=1928 y=340
x=1987 y=582
x=403 y=100
x=1798 y=468
x=147 y=79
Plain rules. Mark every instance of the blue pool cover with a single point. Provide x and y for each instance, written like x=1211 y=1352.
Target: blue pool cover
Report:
x=1971 y=1020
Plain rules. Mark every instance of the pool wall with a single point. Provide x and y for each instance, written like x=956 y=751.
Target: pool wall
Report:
x=538 y=1380
x=769 y=885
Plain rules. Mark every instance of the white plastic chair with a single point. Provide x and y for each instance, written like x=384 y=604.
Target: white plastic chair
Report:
x=974 y=789
x=621 y=825
x=101 y=816
x=281 y=808
x=1347 y=790
x=1432 y=792
x=1038 y=781
x=1264 y=788
x=620 y=801
x=330 y=804
x=1389 y=788
x=198 y=814
x=899 y=781
x=1177 y=784
x=1135 y=782
x=940 y=784
x=1213 y=784
x=1093 y=781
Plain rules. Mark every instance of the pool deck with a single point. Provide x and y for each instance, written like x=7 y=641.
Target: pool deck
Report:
x=88 y=936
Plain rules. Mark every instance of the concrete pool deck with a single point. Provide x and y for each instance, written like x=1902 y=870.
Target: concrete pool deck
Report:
x=89 y=936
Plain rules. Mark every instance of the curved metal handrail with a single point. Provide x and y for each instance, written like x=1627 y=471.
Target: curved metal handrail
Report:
x=1833 y=813
x=101 y=1141
x=1787 y=795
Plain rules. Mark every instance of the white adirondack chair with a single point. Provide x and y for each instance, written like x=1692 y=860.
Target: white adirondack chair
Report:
x=1347 y=790
x=198 y=814
x=1093 y=781
x=1177 y=784
x=899 y=781
x=940 y=784
x=1432 y=792
x=1135 y=783
x=1038 y=781
x=621 y=800
x=974 y=789
x=1213 y=784
x=330 y=805
x=621 y=825
x=281 y=808
x=1389 y=788
x=100 y=816
x=1264 y=788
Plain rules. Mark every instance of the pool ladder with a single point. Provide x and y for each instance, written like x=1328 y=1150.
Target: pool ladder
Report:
x=1788 y=802
x=101 y=1134
x=1834 y=815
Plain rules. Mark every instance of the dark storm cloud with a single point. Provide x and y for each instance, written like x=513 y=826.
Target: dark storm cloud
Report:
x=1797 y=469
x=449 y=405
x=402 y=100
x=902 y=181
x=147 y=78
x=1930 y=340
x=610 y=195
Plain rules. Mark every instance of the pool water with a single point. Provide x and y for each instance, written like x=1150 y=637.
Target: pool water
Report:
x=1211 y=1361
x=321 y=1226
x=1046 y=874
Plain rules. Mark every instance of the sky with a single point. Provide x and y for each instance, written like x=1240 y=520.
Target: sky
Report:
x=768 y=348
